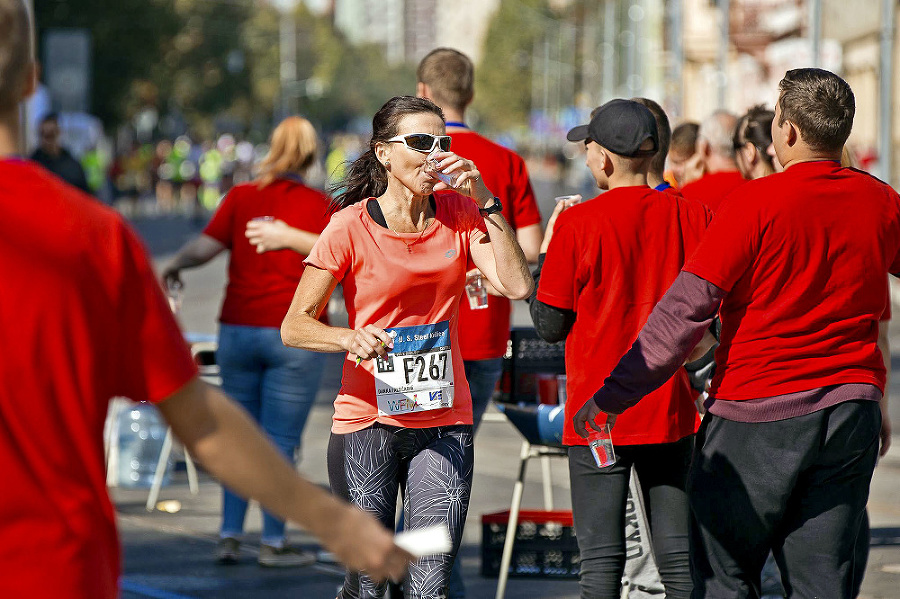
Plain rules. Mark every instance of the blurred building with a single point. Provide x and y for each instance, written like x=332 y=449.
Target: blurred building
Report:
x=767 y=38
x=857 y=26
x=409 y=29
x=693 y=56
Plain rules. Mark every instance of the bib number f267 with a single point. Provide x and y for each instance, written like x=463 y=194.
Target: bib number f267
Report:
x=417 y=374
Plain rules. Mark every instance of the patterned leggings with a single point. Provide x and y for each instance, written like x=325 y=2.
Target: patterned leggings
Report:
x=432 y=467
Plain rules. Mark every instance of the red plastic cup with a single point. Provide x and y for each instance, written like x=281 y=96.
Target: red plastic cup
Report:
x=548 y=389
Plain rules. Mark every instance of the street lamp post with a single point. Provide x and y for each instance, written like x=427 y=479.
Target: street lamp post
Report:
x=287 y=54
x=610 y=47
x=676 y=32
x=724 y=42
x=886 y=89
x=815 y=31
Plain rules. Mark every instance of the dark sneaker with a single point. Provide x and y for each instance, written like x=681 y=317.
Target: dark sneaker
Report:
x=228 y=550
x=284 y=557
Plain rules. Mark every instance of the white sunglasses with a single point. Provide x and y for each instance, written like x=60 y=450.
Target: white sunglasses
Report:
x=423 y=142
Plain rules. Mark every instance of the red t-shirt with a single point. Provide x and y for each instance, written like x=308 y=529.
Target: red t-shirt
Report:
x=711 y=189
x=803 y=255
x=83 y=319
x=484 y=333
x=408 y=283
x=610 y=260
x=261 y=286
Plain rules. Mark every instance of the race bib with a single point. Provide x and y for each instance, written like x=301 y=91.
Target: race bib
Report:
x=417 y=374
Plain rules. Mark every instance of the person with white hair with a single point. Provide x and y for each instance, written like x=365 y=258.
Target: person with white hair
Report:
x=714 y=161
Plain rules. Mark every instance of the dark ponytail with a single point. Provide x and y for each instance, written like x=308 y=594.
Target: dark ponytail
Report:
x=755 y=127
x=366 y=176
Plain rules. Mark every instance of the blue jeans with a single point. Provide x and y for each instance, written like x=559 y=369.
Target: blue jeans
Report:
x=277 y=385
x=482 y=376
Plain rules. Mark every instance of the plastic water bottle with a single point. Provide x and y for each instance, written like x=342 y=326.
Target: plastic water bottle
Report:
x=142 y=432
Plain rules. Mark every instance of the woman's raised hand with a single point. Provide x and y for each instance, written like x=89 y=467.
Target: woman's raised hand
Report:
x=551 y=224
x=468 y=178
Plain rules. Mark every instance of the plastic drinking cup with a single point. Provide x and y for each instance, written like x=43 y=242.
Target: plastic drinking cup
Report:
x=431 y=165
x=476 y=292
x=561 y=389
x=602 y=447
x=548 y=393
x=175 y=294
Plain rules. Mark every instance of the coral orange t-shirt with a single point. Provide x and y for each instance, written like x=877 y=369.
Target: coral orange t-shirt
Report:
x=408 y=284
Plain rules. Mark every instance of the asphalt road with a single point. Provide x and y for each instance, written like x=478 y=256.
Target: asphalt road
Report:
x=168 y=555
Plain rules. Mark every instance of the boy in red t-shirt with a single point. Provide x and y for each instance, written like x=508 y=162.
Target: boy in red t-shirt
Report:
x=85 y=321
x=608 y=262
x=795 y=266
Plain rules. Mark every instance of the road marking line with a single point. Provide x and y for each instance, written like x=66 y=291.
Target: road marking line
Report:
x=146 y=591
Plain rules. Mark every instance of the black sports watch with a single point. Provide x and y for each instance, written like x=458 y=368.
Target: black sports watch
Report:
x=493 y=208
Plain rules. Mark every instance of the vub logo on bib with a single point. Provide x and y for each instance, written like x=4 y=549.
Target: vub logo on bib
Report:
x=417 y=374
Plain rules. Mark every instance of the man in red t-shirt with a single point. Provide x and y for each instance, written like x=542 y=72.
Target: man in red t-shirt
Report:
x=84 y=320
x=795 y=265
x=715 y=160
x=609 y=261
x=446 y=77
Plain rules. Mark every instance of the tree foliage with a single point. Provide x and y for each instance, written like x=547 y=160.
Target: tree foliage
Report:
x=127 y=37
x=504 y=77
x=217 y=61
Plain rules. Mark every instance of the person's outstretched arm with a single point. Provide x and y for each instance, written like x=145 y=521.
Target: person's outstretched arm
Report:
x=676 y=325
x=221 y=436
x=195 y=252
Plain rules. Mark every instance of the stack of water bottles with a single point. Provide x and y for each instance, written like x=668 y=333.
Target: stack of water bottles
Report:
x=141 y=433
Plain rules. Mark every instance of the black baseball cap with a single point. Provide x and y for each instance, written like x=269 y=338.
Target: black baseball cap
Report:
x=620 y=126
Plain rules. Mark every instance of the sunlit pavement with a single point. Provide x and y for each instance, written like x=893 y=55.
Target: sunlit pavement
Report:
x=170 y=555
